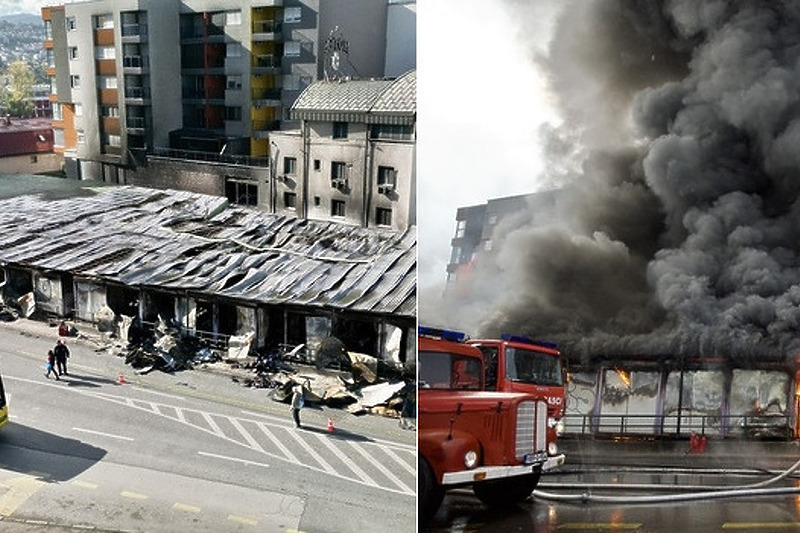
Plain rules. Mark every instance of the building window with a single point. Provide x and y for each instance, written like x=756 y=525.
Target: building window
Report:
x=109 y=111
x=113 y=140
x=387 y=179
x=234 y=83
x=233 y=17
x=340 y=130
x=71 y=24
x=233 y=50
x=58 y=137
x=48 y=30
x=108 y=82
x=290 y=165
x=337 y=208
x=317 y=165
x=291 y=49
x=338 y=171
x=78 y=110
x=34 y=159
x=73 y=52
x=50 y=58
x=461 y=228
x=391 y=132
x=81 y=137
x=104 y=22
x=290 y=200
x=57 y=111
x=383 y=217
x=292 y=14
x=233 y=114
x=105 y=52
x=241 y=192
x=75 y=81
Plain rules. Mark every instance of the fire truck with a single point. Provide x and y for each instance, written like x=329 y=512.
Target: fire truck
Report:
x=495 y=442
x=519 y=364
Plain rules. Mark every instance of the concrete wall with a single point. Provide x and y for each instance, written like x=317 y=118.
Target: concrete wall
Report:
x=31 y=163
x=199 y=177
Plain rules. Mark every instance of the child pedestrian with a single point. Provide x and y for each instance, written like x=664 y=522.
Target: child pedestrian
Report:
x=51 y=361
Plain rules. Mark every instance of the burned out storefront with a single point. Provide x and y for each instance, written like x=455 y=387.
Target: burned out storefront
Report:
x=672 y=400
x=219 y=272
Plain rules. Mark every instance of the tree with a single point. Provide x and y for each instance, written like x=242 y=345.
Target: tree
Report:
x=18 y=89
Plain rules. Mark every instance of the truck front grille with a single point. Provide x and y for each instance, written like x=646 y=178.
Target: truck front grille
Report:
x=531 y=429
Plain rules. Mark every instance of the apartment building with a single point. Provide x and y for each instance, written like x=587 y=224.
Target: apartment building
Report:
x=201 y=79
x=476 y=225
x=353 y=159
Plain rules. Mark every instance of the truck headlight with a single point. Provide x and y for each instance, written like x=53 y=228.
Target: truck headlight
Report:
x=471 y=459
x=552 y=448
x=558 y=425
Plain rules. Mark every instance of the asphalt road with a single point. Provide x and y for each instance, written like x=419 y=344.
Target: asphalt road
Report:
x=186 y=451
x=604 y=483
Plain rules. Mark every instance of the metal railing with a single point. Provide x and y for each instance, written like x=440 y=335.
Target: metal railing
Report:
x=137 y=92
x=777 y=425
x=267 y=26
x=193 y=155
x=134 y=29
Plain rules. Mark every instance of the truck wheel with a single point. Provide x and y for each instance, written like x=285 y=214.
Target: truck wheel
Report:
x=506 y=492
x=431 y=493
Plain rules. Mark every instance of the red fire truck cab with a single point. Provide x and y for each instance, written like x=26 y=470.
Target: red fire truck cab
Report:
x=495 y=442
x=519 y=364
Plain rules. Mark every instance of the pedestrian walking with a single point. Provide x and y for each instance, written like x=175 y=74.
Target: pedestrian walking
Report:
x=62 y=354
x=51 y=362
x=297 y=403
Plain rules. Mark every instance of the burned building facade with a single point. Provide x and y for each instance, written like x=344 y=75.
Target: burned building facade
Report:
x=217 y=271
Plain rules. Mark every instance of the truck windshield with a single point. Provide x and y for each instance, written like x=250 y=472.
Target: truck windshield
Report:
x=439 y=370
x=537 y=368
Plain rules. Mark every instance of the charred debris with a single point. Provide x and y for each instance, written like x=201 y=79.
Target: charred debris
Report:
x=173 y=281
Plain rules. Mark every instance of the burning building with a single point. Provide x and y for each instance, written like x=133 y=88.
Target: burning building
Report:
x=673 y=251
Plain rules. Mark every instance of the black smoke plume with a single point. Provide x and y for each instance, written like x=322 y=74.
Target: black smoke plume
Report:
x=677 y=228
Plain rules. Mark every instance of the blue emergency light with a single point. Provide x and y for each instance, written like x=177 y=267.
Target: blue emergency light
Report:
x=526 y=340
x=444 y=334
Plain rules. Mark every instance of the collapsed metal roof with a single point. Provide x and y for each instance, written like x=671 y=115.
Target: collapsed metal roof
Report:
x=198 y=244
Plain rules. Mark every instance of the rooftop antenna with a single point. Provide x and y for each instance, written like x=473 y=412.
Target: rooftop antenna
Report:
x=336 y=46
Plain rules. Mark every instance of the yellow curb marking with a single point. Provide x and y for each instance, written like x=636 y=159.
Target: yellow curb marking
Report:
x=186 y=507
x=133 y=495
x=20 y=489
x=596 y=526
x=242 y=520
x=85 y=484
x=761 y=525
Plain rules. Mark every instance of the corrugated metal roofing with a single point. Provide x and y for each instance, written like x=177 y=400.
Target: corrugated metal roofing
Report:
x=195 y=243
x=369 y=101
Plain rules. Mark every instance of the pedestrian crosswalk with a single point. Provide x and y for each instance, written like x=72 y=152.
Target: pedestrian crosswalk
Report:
x=376 y=463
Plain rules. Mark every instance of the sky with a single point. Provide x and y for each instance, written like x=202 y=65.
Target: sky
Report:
x=34 y=7
x=481 y=100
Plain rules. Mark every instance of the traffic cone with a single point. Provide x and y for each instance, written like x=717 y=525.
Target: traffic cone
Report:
x=330 y=425
x=121 y=379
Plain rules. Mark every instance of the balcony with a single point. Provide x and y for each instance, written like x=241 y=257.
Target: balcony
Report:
x=134 y=32
x=135 y=63
x=135 y=123
x=137 y=94
x=266 y=97
x=266 y=30
x=266 y=64
x=191 y=155
x=261 y=128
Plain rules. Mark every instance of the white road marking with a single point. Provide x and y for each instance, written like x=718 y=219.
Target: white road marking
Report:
x=302 y=442
x=247 y=436
x=214 y=427
x=120 y=437
x=411 y=469
x=366 y=455
x=324 y=439
x=235 y=459
x=278 y=443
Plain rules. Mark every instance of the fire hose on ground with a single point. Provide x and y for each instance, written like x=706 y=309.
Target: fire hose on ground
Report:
x=711 y=493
